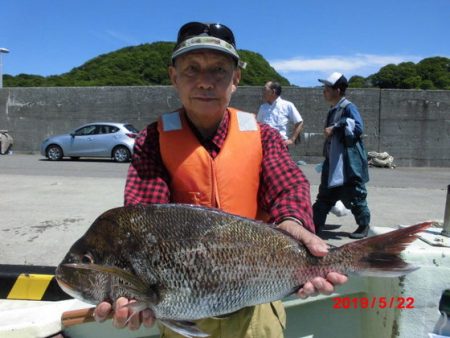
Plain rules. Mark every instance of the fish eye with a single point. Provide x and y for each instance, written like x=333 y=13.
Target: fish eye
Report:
x=87 y=259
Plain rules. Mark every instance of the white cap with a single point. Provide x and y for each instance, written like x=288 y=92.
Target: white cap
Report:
x=333 y=79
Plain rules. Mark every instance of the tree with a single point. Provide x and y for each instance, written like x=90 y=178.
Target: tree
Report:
x=427 y=84
x=436 y=70
x=430 y=73
x=357 y=81
x=407 y=76
x=386 y=77
x=141 y=65
x=23 y=80
x=258 y=70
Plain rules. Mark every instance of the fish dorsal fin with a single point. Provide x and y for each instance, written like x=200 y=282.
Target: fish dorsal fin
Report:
x=184 y=328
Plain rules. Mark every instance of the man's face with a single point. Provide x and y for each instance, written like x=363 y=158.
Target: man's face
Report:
x=268 y=93
x=205 y=81
x=331 y=95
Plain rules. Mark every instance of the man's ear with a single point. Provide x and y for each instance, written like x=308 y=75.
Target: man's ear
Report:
x=236 y=79
x=173 y=75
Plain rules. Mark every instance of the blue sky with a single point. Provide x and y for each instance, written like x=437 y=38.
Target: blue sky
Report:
x=303 y=39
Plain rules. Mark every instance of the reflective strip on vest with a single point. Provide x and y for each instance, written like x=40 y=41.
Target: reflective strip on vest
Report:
x=171 y=121
x=246 y=121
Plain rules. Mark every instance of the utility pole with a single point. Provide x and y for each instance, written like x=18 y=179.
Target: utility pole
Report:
x=2 y=51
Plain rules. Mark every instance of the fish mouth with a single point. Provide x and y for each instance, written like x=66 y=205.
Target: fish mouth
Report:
x=64 y=286
x=61 y=277
x=67 y=279
x=67 y=288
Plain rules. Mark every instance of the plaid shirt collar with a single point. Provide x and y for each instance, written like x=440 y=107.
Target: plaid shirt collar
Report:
x=214 y=144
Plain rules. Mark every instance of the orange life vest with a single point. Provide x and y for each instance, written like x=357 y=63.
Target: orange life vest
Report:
x=230 y=181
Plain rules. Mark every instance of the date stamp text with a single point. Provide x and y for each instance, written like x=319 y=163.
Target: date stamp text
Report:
x=373 y=303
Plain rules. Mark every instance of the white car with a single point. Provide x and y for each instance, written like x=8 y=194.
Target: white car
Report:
x=6 y=142
x=100 y=139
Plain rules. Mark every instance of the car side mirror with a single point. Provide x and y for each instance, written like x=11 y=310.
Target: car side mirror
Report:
x=72 y=134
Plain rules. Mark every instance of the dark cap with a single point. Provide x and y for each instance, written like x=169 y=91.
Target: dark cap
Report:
x=198 y=35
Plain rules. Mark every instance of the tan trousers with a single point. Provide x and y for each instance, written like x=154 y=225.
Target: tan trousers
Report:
x=261 y=321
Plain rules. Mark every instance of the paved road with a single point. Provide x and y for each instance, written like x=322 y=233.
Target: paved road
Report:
x=35 y=165
x=45 y=206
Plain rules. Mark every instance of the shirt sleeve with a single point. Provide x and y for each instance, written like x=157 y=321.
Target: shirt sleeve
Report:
x=294 y=115
x=284 y=189
x=147 y=179
x=351 y=111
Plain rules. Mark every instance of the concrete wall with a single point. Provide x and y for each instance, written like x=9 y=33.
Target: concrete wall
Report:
x=415 y=126
x=411 y=125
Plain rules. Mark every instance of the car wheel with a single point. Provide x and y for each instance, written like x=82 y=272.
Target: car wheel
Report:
x=121 y=154
x=54 y=152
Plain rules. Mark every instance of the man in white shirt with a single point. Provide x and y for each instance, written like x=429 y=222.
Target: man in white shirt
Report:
x=277 y=113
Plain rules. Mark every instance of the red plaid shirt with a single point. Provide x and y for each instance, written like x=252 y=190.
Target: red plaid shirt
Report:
x=283 y=191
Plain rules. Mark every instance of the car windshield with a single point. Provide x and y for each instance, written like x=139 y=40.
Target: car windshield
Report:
x=131 y=128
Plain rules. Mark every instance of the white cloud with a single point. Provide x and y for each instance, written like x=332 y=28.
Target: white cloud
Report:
x=339 y=63
x=305 y=71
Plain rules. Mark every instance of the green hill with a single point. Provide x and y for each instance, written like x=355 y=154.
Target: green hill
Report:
x=430 y=73
x=138 y=66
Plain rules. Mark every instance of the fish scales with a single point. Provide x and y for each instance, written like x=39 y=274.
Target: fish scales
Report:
x=216 y=264
x=187 y=262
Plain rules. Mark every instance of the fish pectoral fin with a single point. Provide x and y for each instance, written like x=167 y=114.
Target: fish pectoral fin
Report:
x=112 y=270
x=135 y=283
x=144 y=294
x=184 y=328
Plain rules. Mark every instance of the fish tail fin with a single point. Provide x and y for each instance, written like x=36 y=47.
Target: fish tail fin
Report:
x=381 y=255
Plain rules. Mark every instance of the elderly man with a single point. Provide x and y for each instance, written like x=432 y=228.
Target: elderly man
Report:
x=277 y=113
x=194 y=155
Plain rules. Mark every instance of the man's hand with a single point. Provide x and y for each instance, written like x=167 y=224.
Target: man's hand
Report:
x=295 y=134
x=288 y=142
x=318 y=248
x=121 y=316
x=327 y=132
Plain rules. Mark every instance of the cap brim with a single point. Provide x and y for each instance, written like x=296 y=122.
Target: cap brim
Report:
x=205 y=42
x=325 y=82
x=185 y=50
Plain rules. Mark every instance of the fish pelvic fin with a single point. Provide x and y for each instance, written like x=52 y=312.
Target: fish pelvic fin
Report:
x=380 y=255
x=184 y=328
x=135 y=308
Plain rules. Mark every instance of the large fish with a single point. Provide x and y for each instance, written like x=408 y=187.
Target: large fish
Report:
x=187 y=262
